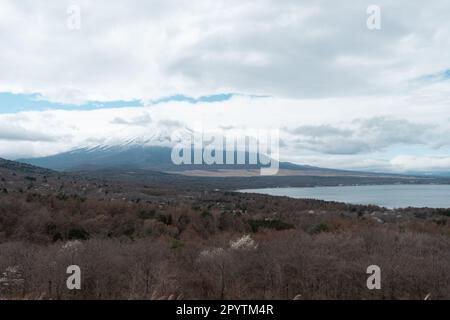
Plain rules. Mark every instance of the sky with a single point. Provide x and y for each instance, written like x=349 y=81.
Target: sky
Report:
x=345 y=90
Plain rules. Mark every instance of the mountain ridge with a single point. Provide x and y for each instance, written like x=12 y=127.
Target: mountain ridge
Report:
x=158 y=158
x=155 y=158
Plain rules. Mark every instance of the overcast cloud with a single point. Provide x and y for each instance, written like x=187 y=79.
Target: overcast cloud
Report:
x=149 y=49
x=343 y=95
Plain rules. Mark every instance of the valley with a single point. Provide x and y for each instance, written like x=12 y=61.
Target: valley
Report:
x=139 y=234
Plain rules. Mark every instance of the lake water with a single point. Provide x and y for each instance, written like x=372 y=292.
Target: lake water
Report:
x=389 y=196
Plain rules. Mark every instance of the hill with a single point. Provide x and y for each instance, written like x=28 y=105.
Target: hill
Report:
x=142 y=234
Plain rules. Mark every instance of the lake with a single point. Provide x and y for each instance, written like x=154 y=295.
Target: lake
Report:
x=389 y=196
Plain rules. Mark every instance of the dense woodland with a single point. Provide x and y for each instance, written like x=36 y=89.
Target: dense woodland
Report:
x=157 y=241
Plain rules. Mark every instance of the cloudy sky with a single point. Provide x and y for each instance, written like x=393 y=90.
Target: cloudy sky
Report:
x=82 y=73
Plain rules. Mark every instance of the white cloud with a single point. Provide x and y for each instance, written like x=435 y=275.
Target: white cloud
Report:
x=364 y=133
x=148 y=49
x=141 y=120
x=346 y=96
x=420 y=163
x=16 y=133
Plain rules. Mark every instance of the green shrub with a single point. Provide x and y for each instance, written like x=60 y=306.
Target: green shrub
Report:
x=78 y=234
x=146 y=214
x=206 y=214
x=318 y=228
x=175 y=244
x=166 y=219
x=129 y=232
x=269 y=224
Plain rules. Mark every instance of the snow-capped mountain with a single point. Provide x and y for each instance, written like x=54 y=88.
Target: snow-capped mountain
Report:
x=127 y=155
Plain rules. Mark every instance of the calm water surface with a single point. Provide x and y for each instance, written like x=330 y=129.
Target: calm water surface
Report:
x=390 y=196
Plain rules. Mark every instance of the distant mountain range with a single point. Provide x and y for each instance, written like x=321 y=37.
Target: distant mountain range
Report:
x=145 y=165
x=141 y=157
x=158 y=158
x=154 y=158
